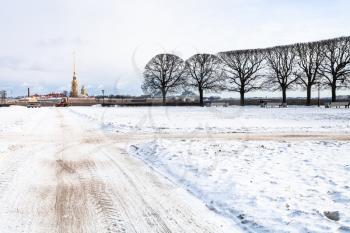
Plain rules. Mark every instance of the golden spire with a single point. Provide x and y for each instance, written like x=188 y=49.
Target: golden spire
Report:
x=74 y=87
x=74 y=68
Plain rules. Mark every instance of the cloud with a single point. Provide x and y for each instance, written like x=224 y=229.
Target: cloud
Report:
x=60 y=42
x=114 y=39
x=20 y=64
x=37 y=67
x=10 y=62
x=271 y=27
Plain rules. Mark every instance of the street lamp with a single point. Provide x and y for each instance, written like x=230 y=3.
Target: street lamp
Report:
x=319 y=93
x=103 y=97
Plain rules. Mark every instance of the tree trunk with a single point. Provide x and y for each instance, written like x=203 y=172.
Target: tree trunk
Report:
x=308 y=95
x=164 y=97
x=284 y=95
x=201 y=102
x=242 y=100
x=334 y=92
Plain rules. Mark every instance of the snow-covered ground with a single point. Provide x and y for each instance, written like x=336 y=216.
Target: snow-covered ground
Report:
x=59 y=173
x=11 y=119
x=219 y=120
x=266 y=170
x=272 y=186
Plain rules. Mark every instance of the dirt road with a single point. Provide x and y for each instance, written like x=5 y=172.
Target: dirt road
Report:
x=61 y=175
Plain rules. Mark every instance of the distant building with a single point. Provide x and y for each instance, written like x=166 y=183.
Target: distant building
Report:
x=54 y=95
x=83 y=92
x=75 y=86
x=3 y=95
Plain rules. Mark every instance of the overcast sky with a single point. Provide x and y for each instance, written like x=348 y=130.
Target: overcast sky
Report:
x=114 y=39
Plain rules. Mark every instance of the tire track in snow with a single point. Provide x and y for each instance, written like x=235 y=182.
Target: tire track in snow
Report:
x=78 y=181
x=78 y=190
x=107 y=202
x=102 y=200
x=150 y=215
x=14 y=161
x=92 y=189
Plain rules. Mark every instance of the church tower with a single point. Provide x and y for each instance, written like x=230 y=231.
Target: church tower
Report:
x=74 y=88
x=83 y=92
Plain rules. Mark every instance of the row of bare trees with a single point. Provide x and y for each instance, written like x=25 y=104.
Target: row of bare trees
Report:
x=325 y=63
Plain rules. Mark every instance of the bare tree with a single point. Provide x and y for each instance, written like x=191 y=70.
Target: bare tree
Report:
x=336 y=66
x=281 y=63
x=309 y=60
x=242 y=70
x=205 y=73
x=163 y=74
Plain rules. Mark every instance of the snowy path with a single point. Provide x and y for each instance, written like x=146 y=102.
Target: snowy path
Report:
x=58 y=174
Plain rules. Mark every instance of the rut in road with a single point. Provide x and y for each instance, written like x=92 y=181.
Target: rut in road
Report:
x=78 y=182
x=102 y=200
x=78 y=190
x=80 y=194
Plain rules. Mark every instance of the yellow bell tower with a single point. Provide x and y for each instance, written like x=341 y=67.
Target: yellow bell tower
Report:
x=74 y=88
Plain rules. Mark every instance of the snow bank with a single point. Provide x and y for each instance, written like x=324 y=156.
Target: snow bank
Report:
x=265 y=185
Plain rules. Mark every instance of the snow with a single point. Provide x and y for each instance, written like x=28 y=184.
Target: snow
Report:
x=59 y=174
x=11 y=119
x=266 y=185
x=272 y=185
x=262 y=184
x=218 y=120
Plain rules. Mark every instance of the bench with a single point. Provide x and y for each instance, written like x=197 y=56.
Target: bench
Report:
x=218 y=104
x=273 y=105
x=33 y=105
x=339 y=104
x=108 y=105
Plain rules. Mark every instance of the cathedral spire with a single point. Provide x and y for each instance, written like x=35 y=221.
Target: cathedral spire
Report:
x=74 y=84
x=74 y=68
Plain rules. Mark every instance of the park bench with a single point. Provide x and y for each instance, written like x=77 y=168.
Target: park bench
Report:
x=218 y=104
x=339 y=104
x=33 y=105
x=273 y=105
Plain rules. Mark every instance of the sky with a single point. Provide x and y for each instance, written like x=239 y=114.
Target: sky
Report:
x=114 y=39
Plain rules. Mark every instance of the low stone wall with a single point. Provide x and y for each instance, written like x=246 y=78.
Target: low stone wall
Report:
x=170 y=102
